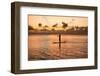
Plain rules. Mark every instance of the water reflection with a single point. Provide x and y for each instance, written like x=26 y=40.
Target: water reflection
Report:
x=54 y=47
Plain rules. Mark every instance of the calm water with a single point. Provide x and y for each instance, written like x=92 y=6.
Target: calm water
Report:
x=43 y=47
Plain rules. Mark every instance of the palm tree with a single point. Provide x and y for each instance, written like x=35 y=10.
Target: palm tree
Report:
x=65 y=25
x=76 y=28
x=45 y=27
x=54 y=26
x=40 y=25
x=30 y=27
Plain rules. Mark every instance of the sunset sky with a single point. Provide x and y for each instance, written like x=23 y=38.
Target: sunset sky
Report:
x=34 y=20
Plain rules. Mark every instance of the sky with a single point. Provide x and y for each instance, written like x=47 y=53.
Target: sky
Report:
x=34 y=20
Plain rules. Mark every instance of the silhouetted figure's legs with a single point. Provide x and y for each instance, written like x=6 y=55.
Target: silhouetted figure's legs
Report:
x=59 y=41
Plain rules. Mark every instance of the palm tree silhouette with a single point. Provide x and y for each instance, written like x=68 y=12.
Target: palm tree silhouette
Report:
x=65 y=25
x=40 y=25
x=54 y=26
x=45 y=27
x=30 y=27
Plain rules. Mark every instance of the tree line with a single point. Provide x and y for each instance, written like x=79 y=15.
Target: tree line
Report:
x=64 y=26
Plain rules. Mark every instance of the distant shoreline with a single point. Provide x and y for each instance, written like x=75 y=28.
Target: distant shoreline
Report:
x=57 y=32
